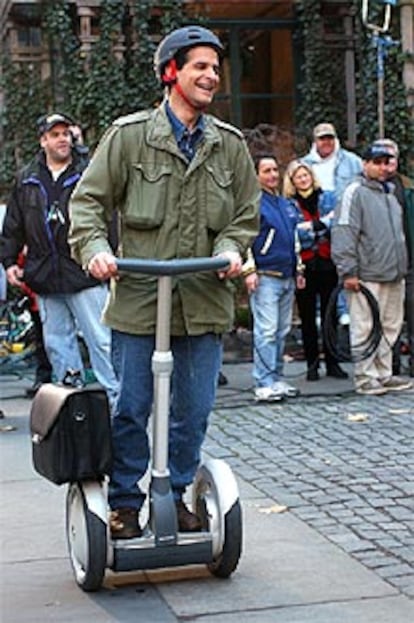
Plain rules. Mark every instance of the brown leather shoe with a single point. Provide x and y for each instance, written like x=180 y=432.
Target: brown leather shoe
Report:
x=123 y=523
x=187 y=521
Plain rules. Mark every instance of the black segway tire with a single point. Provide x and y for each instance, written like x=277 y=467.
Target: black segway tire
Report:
x=87 y=540
x=229 y=557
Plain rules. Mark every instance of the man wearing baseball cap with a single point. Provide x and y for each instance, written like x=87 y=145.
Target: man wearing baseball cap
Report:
x=37 y=217
x=46 y=122
x=334 y=166
x=369 y=248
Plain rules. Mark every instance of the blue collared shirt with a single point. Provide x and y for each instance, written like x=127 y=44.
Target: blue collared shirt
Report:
x=187 y=141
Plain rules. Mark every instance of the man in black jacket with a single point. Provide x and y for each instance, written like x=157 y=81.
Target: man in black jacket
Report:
x=37 y=216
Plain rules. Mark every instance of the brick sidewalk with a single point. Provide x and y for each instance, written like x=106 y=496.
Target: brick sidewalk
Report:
x=343 y=463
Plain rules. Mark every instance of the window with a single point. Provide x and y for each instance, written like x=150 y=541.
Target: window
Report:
x=257 y=84
x=29 y=37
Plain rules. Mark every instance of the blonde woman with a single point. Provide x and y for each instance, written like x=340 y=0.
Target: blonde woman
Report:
x=315 y=215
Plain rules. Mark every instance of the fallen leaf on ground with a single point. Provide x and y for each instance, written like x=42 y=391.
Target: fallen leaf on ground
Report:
x=357 y=417
x=7 y=428
x=276 y=508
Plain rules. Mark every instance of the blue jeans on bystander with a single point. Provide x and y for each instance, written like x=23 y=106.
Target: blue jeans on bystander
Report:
x=62 y=316
x=271 y=306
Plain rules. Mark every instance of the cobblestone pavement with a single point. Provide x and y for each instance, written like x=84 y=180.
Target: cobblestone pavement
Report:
x=343 y=464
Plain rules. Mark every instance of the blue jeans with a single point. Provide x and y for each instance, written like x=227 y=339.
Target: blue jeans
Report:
x=271 y=305
x=62 y=315
x=341 y=304
x=197 y=361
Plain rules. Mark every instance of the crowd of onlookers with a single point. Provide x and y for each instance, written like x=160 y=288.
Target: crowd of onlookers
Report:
x=333 y=216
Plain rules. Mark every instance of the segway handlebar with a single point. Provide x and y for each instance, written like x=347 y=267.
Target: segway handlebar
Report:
x=172 y=267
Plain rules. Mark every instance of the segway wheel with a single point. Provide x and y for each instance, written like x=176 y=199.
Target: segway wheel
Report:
x=229 y=557
x=87 y=540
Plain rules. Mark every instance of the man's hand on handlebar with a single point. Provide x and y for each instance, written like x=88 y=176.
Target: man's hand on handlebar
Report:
x=235 y=265
x=103 y=266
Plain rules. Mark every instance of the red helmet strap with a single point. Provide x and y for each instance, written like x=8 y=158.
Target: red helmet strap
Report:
x=170 y=72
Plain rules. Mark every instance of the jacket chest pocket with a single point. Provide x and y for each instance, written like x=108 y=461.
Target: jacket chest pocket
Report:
x=147 y=195
x=220 y=199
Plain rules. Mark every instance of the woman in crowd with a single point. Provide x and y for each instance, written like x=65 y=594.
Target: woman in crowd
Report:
x=315 y=214
x=270 y=281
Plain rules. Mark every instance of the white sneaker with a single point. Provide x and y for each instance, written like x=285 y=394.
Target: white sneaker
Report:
x=267 y=394
x=372 y=387
x=287 y=390
x=396 y=384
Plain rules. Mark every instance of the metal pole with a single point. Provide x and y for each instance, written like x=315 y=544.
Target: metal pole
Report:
x=162 y=366
x=380 y=74
x=380 y=43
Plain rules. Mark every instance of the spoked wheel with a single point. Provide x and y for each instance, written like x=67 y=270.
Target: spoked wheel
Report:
x=218 y=506
x=86 y=536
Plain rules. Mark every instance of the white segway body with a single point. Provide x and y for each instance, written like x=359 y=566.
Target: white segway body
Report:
x=215 y=492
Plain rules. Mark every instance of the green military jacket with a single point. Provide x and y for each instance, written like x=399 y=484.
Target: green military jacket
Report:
x=167 y=208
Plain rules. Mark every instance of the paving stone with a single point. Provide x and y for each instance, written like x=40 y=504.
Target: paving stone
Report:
x=374 y=558
x=401 y=513
x=390 y=571
x=404 y=581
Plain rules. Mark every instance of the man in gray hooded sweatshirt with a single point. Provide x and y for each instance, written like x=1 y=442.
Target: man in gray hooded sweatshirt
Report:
x=368 y=247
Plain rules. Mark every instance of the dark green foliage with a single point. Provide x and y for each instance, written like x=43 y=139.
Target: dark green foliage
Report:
x=22 y=86
x=64 y=52
x=104 y=87
x=320 y=85
x=143 y=87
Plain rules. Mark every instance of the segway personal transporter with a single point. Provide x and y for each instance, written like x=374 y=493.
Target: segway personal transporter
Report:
x=215 y=492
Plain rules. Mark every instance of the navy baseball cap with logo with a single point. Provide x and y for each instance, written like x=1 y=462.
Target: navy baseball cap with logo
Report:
x=379 y=150
x=47 y=122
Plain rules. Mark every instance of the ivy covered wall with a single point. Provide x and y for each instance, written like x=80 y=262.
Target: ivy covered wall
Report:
x=96 y=87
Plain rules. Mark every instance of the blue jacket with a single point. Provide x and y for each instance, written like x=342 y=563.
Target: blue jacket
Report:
x=347 y=167
x=274 y=248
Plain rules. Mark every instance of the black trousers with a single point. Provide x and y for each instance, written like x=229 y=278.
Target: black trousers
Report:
x=409 y=317
x=319 y=283
x=409 y=311
x=43 y=366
